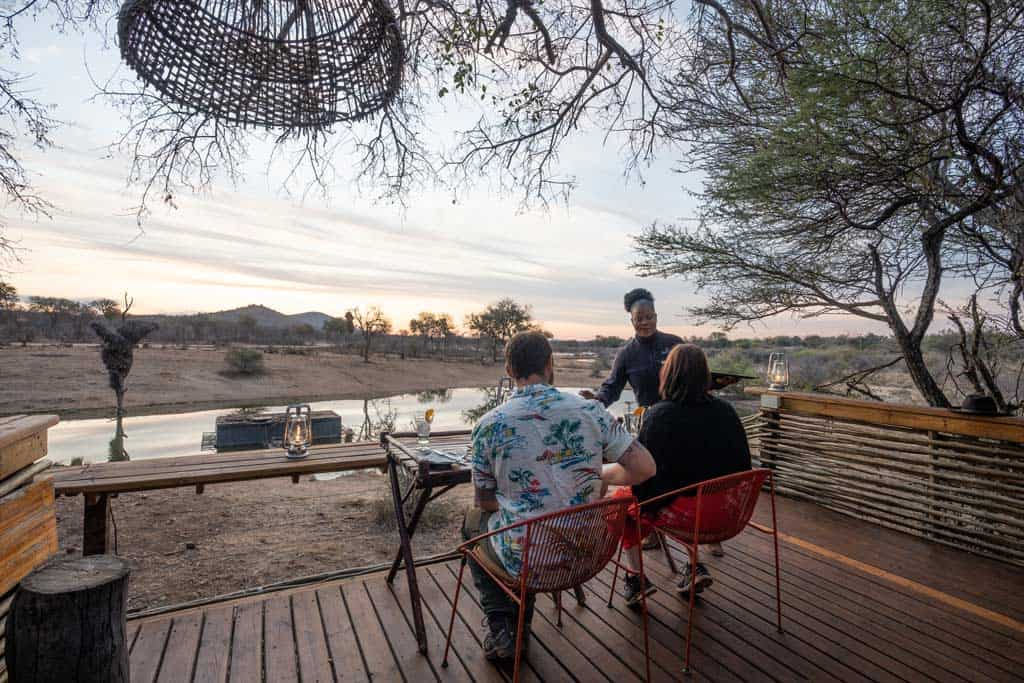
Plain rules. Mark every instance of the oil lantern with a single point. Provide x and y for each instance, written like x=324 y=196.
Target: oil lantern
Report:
x=298 y=430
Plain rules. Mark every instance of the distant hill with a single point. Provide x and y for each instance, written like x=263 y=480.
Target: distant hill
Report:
x=268 y=317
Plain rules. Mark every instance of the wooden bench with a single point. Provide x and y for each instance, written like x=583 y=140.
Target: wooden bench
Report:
x=98 y=482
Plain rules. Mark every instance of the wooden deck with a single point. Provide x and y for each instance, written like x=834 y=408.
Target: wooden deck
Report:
x=859 y=603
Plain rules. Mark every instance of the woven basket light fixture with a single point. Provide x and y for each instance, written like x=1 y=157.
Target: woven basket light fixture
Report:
x=270 y=63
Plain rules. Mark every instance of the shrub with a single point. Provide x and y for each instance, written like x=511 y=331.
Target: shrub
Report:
x=244 y=362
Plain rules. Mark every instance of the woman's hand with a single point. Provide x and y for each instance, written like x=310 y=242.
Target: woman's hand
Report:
x=588 y=394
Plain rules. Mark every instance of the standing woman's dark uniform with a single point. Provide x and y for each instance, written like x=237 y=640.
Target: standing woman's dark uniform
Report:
x=639 y=360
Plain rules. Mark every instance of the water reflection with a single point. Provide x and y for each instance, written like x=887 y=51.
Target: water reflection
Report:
x=491 y=399
x=434 y=396
x=116 y=451
x=170 y=434
x=383 y=418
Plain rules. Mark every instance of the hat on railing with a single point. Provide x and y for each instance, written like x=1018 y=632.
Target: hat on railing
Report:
x=272 y=63
x=979 y=404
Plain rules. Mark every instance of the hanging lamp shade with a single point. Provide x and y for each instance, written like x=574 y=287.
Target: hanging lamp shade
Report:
x=270 y=63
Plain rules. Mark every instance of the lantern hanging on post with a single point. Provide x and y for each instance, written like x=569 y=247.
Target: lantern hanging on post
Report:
x=289 y=64
x=778 y=372
x=298 y=430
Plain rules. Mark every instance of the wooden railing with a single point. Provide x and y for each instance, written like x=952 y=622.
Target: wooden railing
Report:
x=954 y=478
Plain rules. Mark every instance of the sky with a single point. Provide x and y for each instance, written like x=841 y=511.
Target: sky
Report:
x=252 y=243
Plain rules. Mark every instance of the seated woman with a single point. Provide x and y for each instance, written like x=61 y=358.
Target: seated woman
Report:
x=693 y=437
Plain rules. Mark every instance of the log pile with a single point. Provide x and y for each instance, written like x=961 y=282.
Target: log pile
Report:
x=913 y=470
x=28 y=522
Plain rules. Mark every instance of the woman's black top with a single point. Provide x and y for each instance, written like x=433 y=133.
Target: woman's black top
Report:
x=691 y=443
x=638 y=361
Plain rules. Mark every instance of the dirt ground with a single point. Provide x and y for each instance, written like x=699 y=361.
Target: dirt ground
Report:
x=71 y=381
x=183 y=546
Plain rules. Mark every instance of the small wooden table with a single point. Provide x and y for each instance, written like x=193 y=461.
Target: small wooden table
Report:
x=400 y=449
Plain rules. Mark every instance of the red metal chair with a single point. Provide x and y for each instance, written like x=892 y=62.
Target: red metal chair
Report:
x=561 y=551
x=722 y=509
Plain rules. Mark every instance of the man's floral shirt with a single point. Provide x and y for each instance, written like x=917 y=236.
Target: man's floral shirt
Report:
x=542 y=451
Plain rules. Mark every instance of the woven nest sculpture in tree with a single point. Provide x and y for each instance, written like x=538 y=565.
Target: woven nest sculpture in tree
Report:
x=271 y=63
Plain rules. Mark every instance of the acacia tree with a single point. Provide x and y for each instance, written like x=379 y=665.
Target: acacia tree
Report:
x=855 y=153
x=499 y=322
x=370 y=324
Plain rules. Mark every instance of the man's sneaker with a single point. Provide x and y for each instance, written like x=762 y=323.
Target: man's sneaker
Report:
x=698 y=580
x=500 y=641
x=637 y=586
x=716 y=550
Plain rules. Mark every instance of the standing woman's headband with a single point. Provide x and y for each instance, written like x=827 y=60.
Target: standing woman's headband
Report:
x=635 y=296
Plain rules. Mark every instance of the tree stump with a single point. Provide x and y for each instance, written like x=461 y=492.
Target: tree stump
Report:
x=67 y=622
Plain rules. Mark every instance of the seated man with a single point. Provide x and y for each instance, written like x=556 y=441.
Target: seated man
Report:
x=541 y=451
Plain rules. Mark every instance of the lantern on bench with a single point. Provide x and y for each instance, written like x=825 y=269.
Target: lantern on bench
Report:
x=778 y=372
x=298 y=430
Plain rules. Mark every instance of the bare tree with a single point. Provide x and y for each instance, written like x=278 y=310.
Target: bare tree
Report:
x=25 y=119
x=370 y=324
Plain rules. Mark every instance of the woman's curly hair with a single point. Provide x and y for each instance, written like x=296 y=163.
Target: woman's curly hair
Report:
x=634 y=295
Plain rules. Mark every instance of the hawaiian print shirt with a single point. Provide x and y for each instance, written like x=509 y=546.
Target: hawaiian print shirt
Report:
x=542 y=451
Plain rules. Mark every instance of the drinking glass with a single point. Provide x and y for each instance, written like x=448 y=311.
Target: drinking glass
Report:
x=422 y=431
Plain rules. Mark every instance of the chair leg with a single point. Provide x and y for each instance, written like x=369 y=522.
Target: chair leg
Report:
x=581 y=596
x=775 y=539
x=643 y=617
x=519 y=637
x=689 y=618
x=615 y=573
x=455 y=606
x=558 y=607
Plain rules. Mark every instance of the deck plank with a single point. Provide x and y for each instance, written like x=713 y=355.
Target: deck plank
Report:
x=380 y=663
x=310 y=640
x=668 y=625
x=548 y=656
x=341 y=637
x=415 y=667
x=456 y=670
x=214 y=646
x=997 y=584
x=626 y=623
x=279 y=641
x=182 y=644
x=898 y=626
x=144 y=662
x=979 y=632
x=247 y=643
x=467 y=648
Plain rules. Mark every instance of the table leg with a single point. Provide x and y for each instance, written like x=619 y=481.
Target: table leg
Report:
x=414 y=520
x=410 y=568
x=95 y=534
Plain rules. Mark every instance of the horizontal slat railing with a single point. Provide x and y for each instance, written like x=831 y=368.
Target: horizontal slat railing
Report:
x=946 y=476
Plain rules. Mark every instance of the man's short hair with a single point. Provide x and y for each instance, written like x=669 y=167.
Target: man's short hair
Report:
x=527 y=354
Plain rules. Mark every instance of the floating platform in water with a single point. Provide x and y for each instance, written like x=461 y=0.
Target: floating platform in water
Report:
x=264 y=430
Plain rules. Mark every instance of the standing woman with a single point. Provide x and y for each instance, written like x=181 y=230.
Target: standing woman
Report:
x=639 y=360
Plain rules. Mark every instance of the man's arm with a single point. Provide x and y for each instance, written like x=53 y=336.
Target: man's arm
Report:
x=635 y=466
